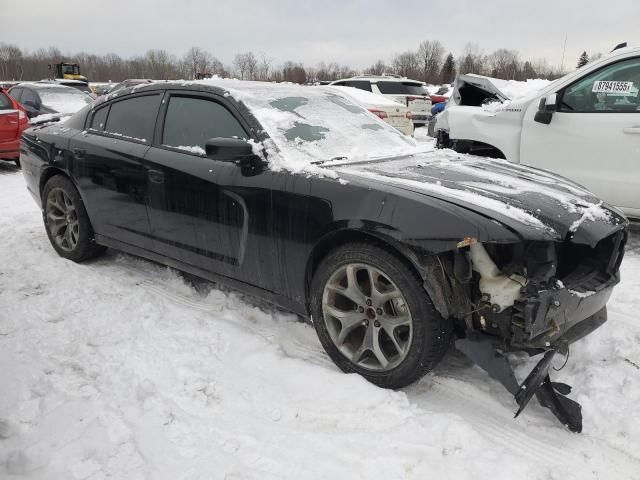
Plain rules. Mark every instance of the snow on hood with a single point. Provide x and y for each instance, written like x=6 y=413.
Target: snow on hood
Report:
x=513 y=194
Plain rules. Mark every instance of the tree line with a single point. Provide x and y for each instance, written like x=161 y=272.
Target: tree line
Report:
x=429 y=62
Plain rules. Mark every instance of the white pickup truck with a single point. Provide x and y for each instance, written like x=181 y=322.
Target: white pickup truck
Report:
x=584 y=126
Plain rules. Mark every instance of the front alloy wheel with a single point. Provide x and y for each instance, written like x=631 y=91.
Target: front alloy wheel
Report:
x=367 y=317
x=373 y=316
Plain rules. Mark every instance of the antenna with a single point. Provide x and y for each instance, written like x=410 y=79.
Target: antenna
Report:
x=620 y=45
x=564 y=49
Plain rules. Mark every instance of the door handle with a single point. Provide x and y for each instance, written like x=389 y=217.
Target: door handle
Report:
x=156 y=176
x=79 y=153
x=634 y=129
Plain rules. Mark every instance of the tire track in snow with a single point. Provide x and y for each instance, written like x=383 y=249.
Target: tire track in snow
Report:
x=493 y=420
x=297 y=340
x=445 y=392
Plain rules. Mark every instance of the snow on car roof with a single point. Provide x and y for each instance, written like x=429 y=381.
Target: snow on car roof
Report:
x=366 y=98
x=45 y=84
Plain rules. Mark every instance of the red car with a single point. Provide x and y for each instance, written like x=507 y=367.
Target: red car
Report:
x=13 y=121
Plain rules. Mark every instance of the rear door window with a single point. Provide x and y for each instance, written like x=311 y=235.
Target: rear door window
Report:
x=134 y=118
x=191 y=121
x=401 y=88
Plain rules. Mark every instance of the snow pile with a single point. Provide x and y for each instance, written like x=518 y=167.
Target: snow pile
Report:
x=120 y=368
x=191 y=149
x=593 y=212
x=49 y=117
x=517 y=89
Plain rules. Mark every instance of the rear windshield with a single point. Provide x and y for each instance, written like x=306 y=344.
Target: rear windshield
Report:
x=402 y=88
x=5 y=103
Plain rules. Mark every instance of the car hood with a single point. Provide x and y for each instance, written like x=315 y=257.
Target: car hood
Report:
x=536 y=204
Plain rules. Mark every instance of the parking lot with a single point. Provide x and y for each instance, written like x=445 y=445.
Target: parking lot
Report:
x=121 y=368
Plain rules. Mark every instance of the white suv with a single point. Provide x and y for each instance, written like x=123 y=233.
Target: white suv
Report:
x=411 y=93
x=584 y=126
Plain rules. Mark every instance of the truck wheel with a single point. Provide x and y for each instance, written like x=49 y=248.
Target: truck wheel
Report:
x=373 y=316
x=66 y=221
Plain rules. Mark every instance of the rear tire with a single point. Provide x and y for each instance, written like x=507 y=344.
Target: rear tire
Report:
x=66 y=221
x=403 y=351
x=17 y=162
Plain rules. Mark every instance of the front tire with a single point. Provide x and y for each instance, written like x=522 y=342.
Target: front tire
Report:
x=373 y=316
x=66 y=221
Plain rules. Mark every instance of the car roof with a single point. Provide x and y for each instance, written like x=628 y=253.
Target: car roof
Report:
x=236 y=89
x=364 y=97
x=378 y=78
x=43 y=84
x=66 y=81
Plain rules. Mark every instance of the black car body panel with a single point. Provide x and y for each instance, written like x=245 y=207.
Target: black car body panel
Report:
x=265 y=230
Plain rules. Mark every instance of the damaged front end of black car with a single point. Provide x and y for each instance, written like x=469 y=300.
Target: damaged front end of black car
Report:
x=537 y=297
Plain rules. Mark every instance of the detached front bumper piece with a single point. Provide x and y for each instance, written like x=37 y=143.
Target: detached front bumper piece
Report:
x=551 y=395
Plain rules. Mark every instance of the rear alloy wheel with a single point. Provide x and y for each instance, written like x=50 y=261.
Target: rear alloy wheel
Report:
x=374 y=317
x=66 y=221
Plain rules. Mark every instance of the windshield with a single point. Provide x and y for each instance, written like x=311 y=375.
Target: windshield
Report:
x=318 y=124
x=71 y=69
x=64 y=99
x=402 y=88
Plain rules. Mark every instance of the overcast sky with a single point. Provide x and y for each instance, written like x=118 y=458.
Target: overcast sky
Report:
x=354 y=32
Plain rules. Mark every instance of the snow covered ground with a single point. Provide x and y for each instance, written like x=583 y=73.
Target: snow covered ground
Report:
x=120 y=368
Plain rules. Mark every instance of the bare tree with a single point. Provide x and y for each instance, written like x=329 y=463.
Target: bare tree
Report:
x=406 y=64
x=504 y=64
x=472 y=60
x=430 y=55
x=197 y=62
x=378 y=68
x=264 y=66
x=293 y=72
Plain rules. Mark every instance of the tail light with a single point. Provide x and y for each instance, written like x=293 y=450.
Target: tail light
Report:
x=411 y=98
x=409 y=115
x=21 y=115
x=379 y=113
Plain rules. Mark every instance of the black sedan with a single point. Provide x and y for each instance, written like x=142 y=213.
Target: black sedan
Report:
x=297 y=195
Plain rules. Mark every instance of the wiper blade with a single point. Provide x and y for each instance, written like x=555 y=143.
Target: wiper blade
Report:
x=334 y=159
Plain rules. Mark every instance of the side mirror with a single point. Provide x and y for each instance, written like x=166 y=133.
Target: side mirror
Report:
x=545 y=109
x=229 y=149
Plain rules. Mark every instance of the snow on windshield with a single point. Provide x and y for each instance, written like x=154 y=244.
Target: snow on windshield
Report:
x=63 y=100
x=312 y=125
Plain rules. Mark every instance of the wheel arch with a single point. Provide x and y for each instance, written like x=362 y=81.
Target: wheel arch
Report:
x=338 y=238
x=47 y=174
